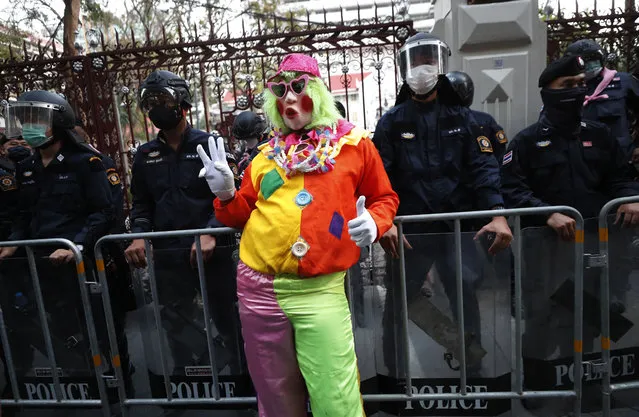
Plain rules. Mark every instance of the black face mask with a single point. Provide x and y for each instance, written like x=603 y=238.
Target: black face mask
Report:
x=18 y=153
x=164 y=118
x=564 y=107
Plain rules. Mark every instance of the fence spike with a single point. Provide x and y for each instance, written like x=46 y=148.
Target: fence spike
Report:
x=24 y=48
x=132 y=38
x=102 y=42
x=308 y=19
x=163 y=35
x=559 y=13
x=10 y=52
x=243 y=29
x=117 y=38
x=147 y=34
x=179 y=28
x=39 y=47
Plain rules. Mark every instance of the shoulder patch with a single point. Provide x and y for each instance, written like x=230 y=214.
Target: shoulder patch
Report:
x=7 y=183
x=154 y=154
x=484 y=144
x=501 y=137
x=113 y=177
x=95 y=163
x=234 y=168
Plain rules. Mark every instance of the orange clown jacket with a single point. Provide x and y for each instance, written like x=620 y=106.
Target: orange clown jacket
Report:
x=299 y=225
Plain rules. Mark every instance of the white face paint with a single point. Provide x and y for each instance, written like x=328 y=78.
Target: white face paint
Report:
x=295 y=110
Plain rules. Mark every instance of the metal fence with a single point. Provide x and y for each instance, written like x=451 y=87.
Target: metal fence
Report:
x=613 y=29
x=226 y=71
x=518 y=392
x=608 y=389
x=58 y=395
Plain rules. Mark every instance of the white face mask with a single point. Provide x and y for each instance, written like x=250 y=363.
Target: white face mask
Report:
x=423 y=78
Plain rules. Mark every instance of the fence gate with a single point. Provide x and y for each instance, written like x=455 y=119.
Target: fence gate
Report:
x=226 y=73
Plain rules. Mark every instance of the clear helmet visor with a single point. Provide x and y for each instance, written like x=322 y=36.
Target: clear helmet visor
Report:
x=433 y=53
x=157 y=97
x=27 y=116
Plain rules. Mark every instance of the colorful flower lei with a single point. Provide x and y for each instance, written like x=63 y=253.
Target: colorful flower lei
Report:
x=314 y=151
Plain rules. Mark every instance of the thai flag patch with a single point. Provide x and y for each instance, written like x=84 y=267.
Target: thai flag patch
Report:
x=508 y=157
x=587 y=144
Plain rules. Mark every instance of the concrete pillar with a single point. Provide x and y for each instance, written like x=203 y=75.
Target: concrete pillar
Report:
x=502 y=46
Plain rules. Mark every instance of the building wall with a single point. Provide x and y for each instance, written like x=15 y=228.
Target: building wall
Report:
x=419 y=11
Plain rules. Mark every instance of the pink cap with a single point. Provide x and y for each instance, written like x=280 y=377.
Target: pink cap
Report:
x=299 y=63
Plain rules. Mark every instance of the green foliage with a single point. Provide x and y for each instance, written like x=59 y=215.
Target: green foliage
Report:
x=13 y=37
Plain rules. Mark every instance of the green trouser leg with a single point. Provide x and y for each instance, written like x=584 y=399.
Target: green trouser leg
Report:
x=318 y=310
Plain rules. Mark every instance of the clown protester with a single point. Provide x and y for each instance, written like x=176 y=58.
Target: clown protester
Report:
x=314 y=195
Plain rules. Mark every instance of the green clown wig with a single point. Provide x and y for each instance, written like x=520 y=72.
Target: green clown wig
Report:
x=325 y=114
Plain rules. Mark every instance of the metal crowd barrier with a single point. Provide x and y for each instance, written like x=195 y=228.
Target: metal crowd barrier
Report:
x=464 y=394
x=519 y=392
x=607 y=387
x=92 y=334
x=169 y=400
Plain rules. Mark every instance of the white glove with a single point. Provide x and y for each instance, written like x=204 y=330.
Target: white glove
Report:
x=216 y=170
x=362 y=228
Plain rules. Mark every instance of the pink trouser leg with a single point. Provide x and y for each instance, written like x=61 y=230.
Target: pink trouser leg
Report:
x=270 y=347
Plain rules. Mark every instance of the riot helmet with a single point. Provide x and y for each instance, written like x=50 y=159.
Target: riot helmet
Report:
x=36 y=115
x=463 y=87
x=592 y=54
x=421 y=60
x=163 y=96
x=248 y=125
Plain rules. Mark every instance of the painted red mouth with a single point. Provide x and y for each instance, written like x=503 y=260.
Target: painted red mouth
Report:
x=290 y=113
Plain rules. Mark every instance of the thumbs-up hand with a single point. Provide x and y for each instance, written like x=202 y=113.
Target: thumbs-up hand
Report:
x=362 y=228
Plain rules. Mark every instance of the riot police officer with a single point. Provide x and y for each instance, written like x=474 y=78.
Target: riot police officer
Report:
x=250 y=128
x=562 y=160
x=169 y=195
x=610 y=95
x=463 y=94
x=433 y=152
x=64 y=193
x=64 y=190
x=11 y=151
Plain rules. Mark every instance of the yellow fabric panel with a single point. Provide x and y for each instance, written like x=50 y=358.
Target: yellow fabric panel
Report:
x=274 y=225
